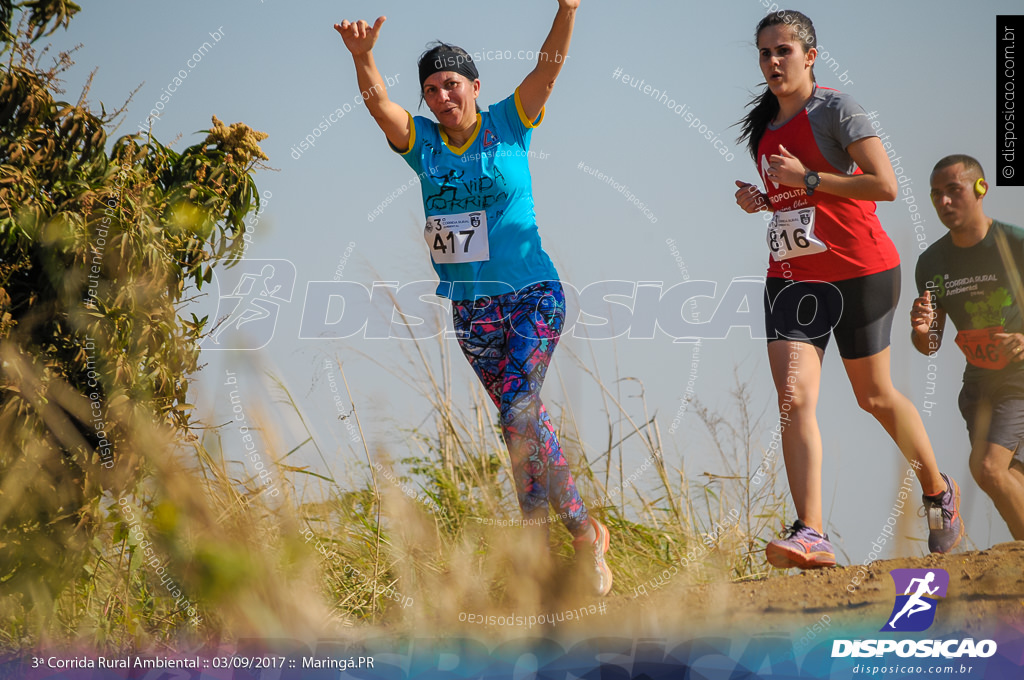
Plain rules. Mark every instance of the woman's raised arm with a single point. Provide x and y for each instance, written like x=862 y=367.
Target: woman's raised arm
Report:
x=536 y=87
x=393 y=120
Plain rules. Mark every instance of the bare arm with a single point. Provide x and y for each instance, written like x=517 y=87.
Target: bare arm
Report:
x=877 y=183
x=926 y=324
x=393 y=120
x=537 y=86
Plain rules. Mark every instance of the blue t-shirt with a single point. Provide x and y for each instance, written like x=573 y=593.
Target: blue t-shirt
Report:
x=491 y=173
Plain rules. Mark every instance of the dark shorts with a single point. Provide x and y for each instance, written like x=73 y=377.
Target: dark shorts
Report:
x=857 y=311
x=1006 y=427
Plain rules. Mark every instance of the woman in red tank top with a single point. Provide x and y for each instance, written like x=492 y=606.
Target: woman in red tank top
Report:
x=832 y=271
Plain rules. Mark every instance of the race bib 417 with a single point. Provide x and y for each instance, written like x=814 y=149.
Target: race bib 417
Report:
x=455 y=239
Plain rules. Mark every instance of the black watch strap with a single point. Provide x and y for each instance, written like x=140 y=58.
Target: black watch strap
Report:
x=811 y=181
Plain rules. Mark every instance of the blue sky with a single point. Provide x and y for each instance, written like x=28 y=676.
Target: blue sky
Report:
x=926 y=69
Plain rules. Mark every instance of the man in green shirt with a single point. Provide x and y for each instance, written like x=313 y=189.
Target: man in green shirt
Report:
x=973 y=276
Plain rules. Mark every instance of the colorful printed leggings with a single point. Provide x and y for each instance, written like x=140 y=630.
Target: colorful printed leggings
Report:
x=508 y=340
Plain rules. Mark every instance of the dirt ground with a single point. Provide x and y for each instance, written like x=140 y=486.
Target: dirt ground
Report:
x=986 y=590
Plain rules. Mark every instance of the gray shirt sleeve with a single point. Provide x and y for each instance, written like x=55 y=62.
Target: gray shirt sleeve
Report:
x=838 y=121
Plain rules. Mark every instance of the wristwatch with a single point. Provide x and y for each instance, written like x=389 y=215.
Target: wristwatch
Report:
x=811 y=181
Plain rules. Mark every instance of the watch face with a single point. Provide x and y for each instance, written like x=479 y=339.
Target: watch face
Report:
x=812 y=180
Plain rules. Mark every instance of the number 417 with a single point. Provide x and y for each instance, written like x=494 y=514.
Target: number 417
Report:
x=440 y=245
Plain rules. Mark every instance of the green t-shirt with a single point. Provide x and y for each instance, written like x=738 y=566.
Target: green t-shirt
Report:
x=972 y=286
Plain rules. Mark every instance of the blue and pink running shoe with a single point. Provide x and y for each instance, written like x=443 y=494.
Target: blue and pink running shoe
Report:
x=804 y=548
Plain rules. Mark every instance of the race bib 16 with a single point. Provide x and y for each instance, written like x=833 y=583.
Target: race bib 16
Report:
x=791 y=234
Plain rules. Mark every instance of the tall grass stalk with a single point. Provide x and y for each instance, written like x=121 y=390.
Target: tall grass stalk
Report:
x=415 y=548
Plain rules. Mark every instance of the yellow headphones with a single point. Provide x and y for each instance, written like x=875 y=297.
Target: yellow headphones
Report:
x=979 y=187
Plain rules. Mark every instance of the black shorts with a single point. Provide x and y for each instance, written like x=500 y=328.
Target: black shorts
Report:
x=857 y=311
x=1006 y=426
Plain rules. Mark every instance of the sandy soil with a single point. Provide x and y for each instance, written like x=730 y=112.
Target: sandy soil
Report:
x=986 y=589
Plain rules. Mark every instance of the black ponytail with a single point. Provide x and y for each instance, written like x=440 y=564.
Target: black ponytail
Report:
x=765 y=106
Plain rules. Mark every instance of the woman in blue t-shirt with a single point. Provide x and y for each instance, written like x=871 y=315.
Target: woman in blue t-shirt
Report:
x=507 y=303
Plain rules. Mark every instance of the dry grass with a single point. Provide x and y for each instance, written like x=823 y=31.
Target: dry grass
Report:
x=368 y=555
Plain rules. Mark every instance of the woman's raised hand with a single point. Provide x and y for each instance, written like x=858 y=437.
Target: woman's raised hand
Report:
x=359 y=36
x=750 y=198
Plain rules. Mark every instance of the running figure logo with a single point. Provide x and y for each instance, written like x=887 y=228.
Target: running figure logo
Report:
x=247 y=317
x=447 y=188
x=914 y=610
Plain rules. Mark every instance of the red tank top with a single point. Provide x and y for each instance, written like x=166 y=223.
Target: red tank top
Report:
x=857 y=244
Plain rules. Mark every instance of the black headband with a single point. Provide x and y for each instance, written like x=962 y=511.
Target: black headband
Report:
x=448 y=60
